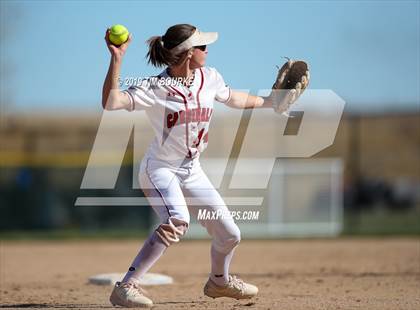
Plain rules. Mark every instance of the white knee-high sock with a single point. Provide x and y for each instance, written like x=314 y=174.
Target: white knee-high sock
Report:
x=220 y=266
x=152 y=249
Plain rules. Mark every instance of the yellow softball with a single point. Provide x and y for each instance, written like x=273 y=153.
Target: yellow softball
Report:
x=118 y=34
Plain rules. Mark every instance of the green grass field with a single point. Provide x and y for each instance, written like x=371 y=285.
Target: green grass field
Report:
x=367 y=223
x=382 y=223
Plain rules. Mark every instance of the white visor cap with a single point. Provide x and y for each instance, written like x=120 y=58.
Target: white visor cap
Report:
x=196 y=39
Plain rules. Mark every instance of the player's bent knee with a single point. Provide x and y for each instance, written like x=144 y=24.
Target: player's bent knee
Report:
x=172 y=231
x=234 y=238
x=231 y=240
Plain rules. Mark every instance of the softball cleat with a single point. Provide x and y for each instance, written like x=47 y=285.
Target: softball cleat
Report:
x=129 y=295
x=235 y=288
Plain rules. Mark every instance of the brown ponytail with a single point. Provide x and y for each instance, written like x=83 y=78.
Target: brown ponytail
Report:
x=160 y=53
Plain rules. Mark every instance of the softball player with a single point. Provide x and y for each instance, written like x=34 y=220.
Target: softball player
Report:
x=170 y=173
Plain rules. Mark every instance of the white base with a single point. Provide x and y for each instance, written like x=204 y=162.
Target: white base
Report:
x=147 y=279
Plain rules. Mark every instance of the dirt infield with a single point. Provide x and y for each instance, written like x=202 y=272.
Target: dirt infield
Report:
x=291 y=274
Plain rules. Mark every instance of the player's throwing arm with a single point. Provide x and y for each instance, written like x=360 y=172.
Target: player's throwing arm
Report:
x=112 y=97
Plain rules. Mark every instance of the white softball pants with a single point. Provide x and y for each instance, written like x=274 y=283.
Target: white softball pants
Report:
x=176 y=191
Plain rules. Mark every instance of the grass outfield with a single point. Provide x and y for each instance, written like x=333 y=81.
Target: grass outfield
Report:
x=382 y=223
x=364 y=224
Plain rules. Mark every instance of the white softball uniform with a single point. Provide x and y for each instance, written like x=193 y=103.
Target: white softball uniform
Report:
x=180 y=116
x=170 y=173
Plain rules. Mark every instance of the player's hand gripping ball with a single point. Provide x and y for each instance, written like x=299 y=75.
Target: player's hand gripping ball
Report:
x=118 y=34
x=292 y=79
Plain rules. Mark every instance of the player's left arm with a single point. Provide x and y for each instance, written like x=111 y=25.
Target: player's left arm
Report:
x=242 y=100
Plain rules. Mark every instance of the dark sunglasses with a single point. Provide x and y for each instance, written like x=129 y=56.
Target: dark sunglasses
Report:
x=201 y=47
